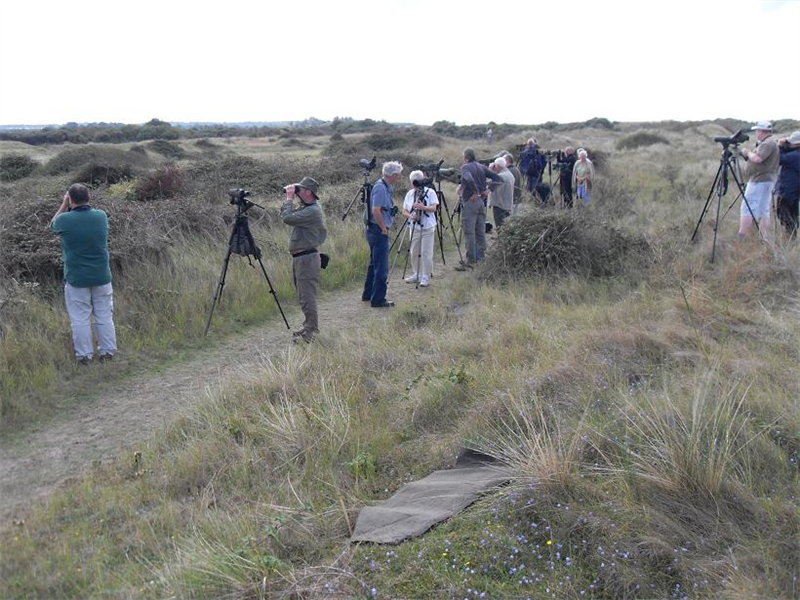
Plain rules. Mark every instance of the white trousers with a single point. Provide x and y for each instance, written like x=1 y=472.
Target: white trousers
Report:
x=424 y=238
x=82 y=305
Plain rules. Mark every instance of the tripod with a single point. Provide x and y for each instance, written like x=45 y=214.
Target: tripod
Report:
x=728 y=163
x=440 y=224
x=366 y=188
x=241 y=242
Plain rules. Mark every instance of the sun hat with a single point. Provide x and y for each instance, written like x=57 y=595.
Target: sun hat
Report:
x=794 y=139
x=764 y=125
x=310 y=184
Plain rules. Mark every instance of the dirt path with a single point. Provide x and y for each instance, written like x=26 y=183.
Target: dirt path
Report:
x=100 y=428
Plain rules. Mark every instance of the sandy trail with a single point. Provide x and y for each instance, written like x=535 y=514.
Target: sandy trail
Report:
x=103 y=427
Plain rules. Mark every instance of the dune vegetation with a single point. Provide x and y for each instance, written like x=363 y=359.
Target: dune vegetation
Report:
x=644 y=399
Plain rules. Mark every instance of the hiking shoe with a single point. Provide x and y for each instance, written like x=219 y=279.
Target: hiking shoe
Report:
x=298 y=333
x=106 y=357
x=462 y=266
x=424 y=282
x=384 y=304
x=412 y=279
x=367 y=299
x=84 y=361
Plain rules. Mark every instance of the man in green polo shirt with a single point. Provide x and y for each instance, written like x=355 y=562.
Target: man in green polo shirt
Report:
x=87 y=275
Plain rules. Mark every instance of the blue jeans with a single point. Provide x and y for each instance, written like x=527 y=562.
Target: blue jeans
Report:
x=378 y=269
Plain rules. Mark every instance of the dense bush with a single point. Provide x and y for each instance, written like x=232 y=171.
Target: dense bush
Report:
x=90 y=159
x=562 y=242
x=137 y=232
x=167 y=148
x=640 y=139
x=411 y=138
x=164 y=182
x=16 y=166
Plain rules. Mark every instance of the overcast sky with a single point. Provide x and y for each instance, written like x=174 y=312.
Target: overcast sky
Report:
x=414 y=60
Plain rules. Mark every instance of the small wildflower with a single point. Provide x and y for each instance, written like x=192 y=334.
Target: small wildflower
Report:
x=549 y=542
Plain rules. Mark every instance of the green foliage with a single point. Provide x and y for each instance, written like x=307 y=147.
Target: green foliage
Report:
x=167 y=149
x=640 y=139
x=16 y=166
x=97 y=164
x=363 y=466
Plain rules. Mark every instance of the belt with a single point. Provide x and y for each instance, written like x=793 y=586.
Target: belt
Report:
x=304 y=252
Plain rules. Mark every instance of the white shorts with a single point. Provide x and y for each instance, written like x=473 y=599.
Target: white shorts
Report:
x=758 y=197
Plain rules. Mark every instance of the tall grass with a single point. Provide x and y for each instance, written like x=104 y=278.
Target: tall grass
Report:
x=650 y=421
x=160 y=308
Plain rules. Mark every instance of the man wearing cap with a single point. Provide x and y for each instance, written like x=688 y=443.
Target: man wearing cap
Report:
x=787 y=190
x=762 y=172
x=308 y=233
x=378 y=220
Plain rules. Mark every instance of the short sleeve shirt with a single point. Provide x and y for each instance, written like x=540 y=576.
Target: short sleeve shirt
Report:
x=429 y=220
x=84 y=245
x=382 y=197
x=767 y=170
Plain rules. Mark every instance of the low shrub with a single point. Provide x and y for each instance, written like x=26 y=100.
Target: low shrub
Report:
x=164 y=182
x=96 y=157
x=640 y=139
x=16 y=166
x=167 y=149
x=136 y=231
x=562 y=242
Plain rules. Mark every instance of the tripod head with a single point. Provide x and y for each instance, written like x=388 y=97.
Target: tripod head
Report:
x=734 y=140
x=367 y=166
x=238 y=197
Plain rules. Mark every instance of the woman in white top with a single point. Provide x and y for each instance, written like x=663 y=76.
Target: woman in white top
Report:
x=582 y=176
x=420 y=208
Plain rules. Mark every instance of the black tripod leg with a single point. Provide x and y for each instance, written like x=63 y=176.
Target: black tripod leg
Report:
x=708 y=199
x=443 y=202
x=440 y=231
x=273 y=292
x=744 y=199
x=350 y=206
x=397 y=253
x=218 y=290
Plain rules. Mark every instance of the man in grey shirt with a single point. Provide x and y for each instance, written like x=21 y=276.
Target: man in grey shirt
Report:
x=473 y=192
x=308 y=233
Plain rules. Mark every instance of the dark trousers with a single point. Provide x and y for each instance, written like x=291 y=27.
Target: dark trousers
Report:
x=378 y=269
x=787 y=209
x=500 y=215
x=566 y=191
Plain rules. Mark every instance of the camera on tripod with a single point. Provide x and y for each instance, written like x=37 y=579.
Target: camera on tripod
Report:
x=423 y=183
x=238 y=196
x=367 y=165
x=551 y=154
x=734 y=140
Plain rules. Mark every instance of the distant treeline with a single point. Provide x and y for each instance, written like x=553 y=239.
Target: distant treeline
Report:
x=155 y=129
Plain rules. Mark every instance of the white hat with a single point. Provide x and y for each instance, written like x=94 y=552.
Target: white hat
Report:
x=765 y=125
x=794 y=139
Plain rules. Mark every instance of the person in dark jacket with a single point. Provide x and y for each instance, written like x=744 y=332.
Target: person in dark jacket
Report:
x=787 y=190
x=565 y=175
